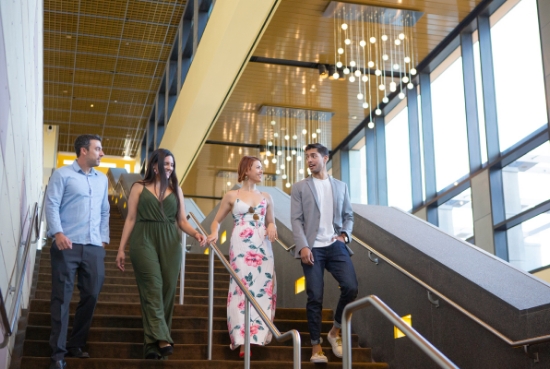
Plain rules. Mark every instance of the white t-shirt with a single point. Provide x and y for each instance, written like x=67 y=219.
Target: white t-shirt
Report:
x=325 y=234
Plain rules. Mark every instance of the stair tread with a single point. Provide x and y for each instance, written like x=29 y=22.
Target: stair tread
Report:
x=195 y=364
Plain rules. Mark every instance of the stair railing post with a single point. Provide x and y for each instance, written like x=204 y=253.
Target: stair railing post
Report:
x=247 y=335
x=346 y=339
x=182 y=269
x=210 y=300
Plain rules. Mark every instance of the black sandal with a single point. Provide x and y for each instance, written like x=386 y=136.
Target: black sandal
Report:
x=152 y=356
x=166 y=350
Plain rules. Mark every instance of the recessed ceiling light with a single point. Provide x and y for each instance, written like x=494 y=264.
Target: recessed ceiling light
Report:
x=92 y=105
x=69 y=36
x=65 y=91
x=354 y=117
x=116 y=101
x=127 y=43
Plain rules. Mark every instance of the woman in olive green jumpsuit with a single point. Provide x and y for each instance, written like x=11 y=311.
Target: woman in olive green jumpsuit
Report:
x=155 y=206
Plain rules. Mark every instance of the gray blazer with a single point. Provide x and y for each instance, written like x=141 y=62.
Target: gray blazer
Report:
x=305 y=214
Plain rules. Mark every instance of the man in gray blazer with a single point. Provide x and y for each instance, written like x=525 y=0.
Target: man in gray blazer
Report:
x=322 y=221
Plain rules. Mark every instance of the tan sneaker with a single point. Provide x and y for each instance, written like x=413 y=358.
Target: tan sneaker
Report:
x=336 y=343
x=319 y=358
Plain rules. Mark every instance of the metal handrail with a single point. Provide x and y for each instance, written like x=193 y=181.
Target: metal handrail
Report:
x=9 y=323
x=519 y=343
x=284 y=246
x=409 y=331
x=182 y=266
x=293 y=333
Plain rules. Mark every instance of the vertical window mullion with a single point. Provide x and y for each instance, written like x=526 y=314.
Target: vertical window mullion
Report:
x=491 y=129
x=372 y=177
x=382 y=173
x=414 y=147
x=429 y=149
x=345 y=167
x=470 y=101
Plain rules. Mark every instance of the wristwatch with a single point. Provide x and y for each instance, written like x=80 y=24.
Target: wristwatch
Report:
x=346 y=239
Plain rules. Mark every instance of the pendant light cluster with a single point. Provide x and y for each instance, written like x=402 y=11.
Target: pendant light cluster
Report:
x=287 y=132
x=374 y=47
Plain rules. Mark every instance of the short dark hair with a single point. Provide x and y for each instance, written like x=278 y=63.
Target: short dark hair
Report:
x=83 y=141
x=320 y=148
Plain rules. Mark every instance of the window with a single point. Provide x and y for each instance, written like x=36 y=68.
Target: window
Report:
x=526 y=181
x=398 y=160
x=455 y=216
x=529 y=243
x=520 y=98
x=358 y=173
x=449 y=122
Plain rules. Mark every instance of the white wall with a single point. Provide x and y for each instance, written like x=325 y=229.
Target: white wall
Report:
x=51 y=137
x=21 y=119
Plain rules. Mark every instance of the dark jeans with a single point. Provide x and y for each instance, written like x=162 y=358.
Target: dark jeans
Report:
x=336 y=259
x=88 y=261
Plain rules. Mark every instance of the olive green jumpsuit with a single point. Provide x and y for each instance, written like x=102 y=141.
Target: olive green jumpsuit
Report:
x=155 y=251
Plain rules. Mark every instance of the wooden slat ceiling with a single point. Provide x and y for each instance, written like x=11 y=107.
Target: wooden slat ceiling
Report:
x=299 y=32
x=109 y=53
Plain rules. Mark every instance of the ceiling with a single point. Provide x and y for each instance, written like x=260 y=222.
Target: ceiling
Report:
x=103 y=63
x=298 y=32
x=112 y=54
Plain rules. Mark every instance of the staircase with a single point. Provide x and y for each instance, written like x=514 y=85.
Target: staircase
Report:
x=116 y=336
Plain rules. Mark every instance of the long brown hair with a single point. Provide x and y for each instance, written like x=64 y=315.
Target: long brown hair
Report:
x=245 y=165
x=157 y=157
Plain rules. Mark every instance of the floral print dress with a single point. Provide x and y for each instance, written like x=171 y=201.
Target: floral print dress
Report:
x=251 y=257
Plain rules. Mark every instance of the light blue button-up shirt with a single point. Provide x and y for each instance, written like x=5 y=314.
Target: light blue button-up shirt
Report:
x=77 y=205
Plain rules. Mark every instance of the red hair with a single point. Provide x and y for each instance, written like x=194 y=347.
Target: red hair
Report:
x=244 y=166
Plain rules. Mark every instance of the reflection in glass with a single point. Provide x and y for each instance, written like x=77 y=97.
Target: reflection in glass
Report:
x=449 y=125
x=455 y=216
x=526 y=181
x=529 y=243
x=521 y=105
x=358 y=175
x=398 y=161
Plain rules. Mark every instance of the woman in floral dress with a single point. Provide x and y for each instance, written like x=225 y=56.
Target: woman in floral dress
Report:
x=250 y=253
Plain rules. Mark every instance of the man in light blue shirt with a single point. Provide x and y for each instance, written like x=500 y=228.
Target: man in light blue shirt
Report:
x=77 y=211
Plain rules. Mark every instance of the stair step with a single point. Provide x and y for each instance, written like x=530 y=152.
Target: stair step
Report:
x=186 y=352
x=134 y=297
x=123 y=321
x=39 y=362
x=110 y=308
x=110 y=255
x=182 y=336
x=45 y=282
x=110 y=264
x=129 y=289
x=128 y=278
x=191 y=272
